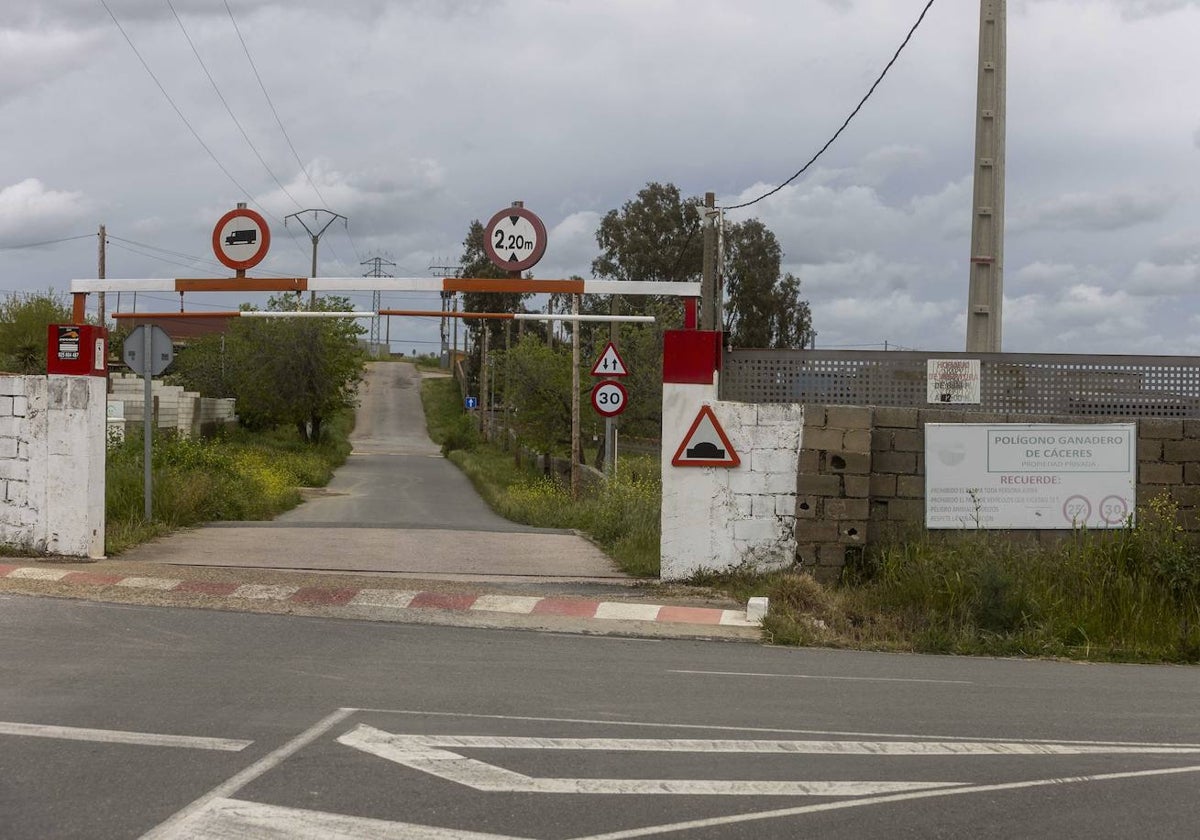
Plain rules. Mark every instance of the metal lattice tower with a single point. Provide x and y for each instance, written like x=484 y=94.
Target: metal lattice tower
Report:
x=377 y=264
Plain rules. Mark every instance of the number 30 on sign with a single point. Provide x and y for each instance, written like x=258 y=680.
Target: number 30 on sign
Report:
x=609 y=398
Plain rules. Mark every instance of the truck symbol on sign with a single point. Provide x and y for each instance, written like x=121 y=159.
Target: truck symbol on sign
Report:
x=242 y=237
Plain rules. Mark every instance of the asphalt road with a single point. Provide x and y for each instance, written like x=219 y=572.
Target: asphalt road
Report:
x=396 y=506
x=125 y=721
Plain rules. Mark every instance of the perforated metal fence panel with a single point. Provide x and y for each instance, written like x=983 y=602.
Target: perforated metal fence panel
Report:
x=1042 y=383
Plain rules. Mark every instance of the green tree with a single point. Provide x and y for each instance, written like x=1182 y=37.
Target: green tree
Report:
x=24 y=319
x=762 y=309
x=203 y=366
x=296 y=371
x=539 y=392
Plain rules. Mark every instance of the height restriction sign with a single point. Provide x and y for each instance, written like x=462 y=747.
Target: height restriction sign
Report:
x=515 y=239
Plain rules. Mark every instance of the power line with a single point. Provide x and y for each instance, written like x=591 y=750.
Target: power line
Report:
x=853 y=114
x=271 y=104
x=228 y=109
x=46 y=242
x=186 y=122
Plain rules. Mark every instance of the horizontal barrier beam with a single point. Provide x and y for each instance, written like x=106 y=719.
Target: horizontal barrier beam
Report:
x=403 y=313
x=387 y=284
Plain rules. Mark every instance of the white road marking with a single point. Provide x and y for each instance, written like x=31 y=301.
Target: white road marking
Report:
x=820 y=677
x=719 y=728
x=398 y=599
x=505 y=603
x=264 y=592
x=150 y=582
x=225 y=819
x=171 y=827
x=38 y=574
x=116 y=736
x=420 y=753
x=779 y=813
x=628 y=612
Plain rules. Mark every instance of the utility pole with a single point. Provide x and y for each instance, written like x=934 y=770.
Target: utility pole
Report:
x=576 y=450
x=707 y=277
x=100 y=272
x=985 y=299
x=376 y=270
x=315 y=235
x=445 y=271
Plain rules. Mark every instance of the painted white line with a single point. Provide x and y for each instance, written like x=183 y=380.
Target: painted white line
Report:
x=150 y=582
x=521 y=604
x=820 y=677
x=628 y=612
x=779 y=813
x=117 y=736
x=171 y=828
x=420 y=753
x=720 y=728
x=29 y=573
x=224 y=819
x=264 y=592
x=417 y=743
x=737 y=618
x=395 y=598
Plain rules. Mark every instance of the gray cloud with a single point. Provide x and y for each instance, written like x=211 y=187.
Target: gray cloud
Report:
x=1093 y=212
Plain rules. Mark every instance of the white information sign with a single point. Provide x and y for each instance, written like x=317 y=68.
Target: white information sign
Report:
x=953 y=381
x=1039 y=476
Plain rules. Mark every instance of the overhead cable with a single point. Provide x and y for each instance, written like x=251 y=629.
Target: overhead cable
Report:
x=853 y=114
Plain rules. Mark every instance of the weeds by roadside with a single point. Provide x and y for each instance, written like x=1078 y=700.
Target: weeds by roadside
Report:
x=240 y=475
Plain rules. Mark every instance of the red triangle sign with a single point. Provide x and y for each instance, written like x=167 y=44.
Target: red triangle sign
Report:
x=705 y=444
x=610 y=363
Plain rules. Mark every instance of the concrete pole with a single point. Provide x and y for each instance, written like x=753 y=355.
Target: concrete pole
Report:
x=575 y=443
x=708 y=270
x=985 y=300
x=101 y=273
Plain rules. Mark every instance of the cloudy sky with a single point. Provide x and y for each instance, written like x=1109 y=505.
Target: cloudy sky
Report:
x=413 y=117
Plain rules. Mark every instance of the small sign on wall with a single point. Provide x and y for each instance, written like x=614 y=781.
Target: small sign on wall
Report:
x=953 y=381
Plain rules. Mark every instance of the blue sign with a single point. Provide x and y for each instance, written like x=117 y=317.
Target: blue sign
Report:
x=472 y=403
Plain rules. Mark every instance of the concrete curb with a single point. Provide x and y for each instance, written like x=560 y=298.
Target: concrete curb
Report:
x=353 y=599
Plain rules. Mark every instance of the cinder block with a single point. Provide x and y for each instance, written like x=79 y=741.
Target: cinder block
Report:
x=882 y=486
x=1160 y=428
x=743 y=505
x=763 y=507
x=1191 y=473
x=817 y=531
x=881 y=440
x=846 y=508
x=849 y=463
x=819 y=485
x=822 y=439
x=1160 y=473
x=895 y=418
x=857 y=441
x=10 y=386
x=895 y=462
x=810 y=461
x=16 y=493
x=6 y=406
x=806 y=507
x=910 y=486
x=1149 y=449
x=1191 y=428
x=856 y=486
x=1185 y=496
x=814 y=416
x=1177 y=451
x=774 y=483
x=908 y=440
x=14 y=470
x=770 y=414
x=848 y=417
x=757 y=530
x=8 y=447
x=906 y=510
x=785 y=505
x=853 y=532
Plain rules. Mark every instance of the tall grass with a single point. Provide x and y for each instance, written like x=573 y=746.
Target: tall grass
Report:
x=240 y=475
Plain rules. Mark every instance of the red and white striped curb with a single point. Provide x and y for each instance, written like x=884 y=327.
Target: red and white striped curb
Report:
x=395 y=598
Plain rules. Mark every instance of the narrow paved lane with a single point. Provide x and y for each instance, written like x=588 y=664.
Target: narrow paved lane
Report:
x=396 y=506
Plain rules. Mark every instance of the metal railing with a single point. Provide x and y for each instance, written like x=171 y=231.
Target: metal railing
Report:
x=1028 y=383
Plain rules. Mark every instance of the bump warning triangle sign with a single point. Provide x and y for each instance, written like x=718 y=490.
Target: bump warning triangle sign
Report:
x=706 y=444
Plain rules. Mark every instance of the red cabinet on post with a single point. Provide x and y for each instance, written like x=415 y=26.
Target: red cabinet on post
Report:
x=78 y=350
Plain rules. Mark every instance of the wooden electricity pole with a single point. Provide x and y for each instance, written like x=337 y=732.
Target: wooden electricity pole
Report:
x=985 y=299
x=101 y=268
x=708 y=266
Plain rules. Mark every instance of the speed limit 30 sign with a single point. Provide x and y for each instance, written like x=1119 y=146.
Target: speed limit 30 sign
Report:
x=609 y=398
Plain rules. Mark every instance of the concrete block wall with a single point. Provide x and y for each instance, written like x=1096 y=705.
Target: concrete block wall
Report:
x=52 y=448
x=833 y=486
x=186 y=412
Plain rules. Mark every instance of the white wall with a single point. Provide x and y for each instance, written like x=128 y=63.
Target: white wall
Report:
x=52 y=463
x=714 y=517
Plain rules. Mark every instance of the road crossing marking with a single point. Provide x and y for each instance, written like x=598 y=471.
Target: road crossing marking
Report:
x=116 y=736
